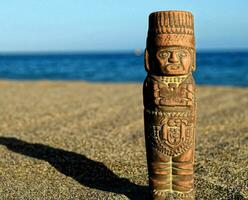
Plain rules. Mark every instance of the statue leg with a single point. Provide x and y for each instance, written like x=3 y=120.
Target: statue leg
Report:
x=172 y=175
x=183 y=174
x=160 y=176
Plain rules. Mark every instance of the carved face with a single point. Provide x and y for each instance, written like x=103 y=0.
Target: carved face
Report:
x=174 y=60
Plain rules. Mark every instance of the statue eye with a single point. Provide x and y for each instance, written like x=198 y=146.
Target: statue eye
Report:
x=164 y=54
x=182 y=54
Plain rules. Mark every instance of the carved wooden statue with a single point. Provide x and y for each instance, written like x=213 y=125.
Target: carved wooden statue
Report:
x=169 y=101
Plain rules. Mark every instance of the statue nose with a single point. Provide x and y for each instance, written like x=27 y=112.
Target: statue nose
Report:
x=173 y=58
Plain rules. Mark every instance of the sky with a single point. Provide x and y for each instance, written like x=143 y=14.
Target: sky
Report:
x=114 y=25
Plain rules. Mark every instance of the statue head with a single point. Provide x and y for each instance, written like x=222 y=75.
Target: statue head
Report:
x=170 y=44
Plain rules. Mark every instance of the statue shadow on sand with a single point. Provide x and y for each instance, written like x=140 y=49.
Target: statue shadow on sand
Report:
x=85 y=171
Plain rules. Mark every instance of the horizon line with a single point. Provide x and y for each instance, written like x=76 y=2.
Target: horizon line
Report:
x=131 y=51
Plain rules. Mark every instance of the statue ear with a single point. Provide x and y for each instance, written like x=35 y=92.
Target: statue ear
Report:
x=147 y=66
x=193 y=53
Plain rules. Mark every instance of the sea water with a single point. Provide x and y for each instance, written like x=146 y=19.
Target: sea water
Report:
x=213 y=68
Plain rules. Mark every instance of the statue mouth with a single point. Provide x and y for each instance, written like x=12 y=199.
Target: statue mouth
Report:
x=173 y=67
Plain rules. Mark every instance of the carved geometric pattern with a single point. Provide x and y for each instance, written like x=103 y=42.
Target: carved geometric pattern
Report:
x=172 y=91
x=175 y=39
x=173 y=79
x=174 y=135
x=171 y=22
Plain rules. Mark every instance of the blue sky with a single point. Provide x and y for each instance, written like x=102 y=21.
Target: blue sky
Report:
x=97 y=25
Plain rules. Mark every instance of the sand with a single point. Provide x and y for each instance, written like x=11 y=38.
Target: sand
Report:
x=80 y=141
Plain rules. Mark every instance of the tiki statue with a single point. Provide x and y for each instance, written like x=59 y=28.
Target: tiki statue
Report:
x=169 y=101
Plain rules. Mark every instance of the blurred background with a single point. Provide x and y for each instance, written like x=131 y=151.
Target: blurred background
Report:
x=103 y=41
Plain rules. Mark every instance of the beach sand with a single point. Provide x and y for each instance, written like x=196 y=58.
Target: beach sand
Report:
x=80 y=141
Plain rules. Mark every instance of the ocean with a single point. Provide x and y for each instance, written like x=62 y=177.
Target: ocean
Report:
x=213 y=68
